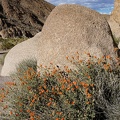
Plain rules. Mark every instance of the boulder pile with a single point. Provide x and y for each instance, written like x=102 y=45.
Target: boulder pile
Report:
x=67 y=30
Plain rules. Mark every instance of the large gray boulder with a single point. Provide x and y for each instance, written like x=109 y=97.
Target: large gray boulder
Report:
x=68 y=29
x=119 y=45
x=71 y=28
x=23 y=51
x=114 y=20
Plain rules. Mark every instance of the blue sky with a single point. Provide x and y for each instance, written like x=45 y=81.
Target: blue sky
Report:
x=102 y=6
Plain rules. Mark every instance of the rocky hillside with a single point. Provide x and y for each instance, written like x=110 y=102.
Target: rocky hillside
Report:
x=20 y=18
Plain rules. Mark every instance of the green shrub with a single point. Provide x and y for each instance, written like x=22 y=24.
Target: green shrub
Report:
x=91 y=92
x=10 y=42
x=2 y=59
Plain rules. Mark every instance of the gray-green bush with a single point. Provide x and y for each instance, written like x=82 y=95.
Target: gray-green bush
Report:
x=92 y=92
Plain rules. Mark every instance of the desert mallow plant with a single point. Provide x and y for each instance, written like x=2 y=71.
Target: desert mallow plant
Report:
x=91 y=92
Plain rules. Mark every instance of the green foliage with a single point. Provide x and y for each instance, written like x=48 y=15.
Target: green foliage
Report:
x=2 y=59
x=91 y=92
x=10 y=42
x=105 y=75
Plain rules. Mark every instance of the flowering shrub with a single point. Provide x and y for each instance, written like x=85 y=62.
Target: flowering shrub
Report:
x=89 y=92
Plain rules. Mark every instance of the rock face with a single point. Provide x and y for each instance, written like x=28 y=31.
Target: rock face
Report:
x=67 y=30
x=114 y=20
x=71 y=28
x=20 y=18
x=23 y=51
x=119 y=45
x=106 y=16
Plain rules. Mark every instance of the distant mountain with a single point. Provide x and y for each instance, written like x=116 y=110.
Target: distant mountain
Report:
x=20 y=18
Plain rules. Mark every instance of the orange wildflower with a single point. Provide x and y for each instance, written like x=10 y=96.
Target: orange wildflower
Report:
x=88 y=66
x=38 y=117
x=50 y=99
x=73 y=102
x=60 y=93
x=89 y=77
x=68 y=88
x=66 y=69
x=7 y=92
x=41 y=92
x=64 y=81
x=77 y=57
x=80 y=61
x=5 y=107
x=88 y=102
x=20 y=104
x=59 y=113
x=106 y=66
x=53 y=88
x=49 y=103
x=57 y=119
x=72 y=57
x=23 y=83
x=89 y=95
x=2 y=89
x=54 y=71
x=28 y=111
x=74 y=83
x=76 y=87
x=31 y=104
x=88 y=62
x=95 y=57
x=32 y=114
x=67 y=57
x=35 y=96
x=77 y=52
x=92 y=85
x=20 y=110
x=103 y=57
x=88 y=54
x=108 y=57
x=62 y=119
x=17 y=114
x=68 y=81
x=33 y=100
x=44 y=79
x=51 y=63
x=86 y=91
x=63 y=87
x=99 y=61
x=32 y=118
x=29 y=88
x=38 y=74
x=11 y=112
x=84 y=84
x=41 y=65
x=44 y=87
x=10 y=83
x=72 y=89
